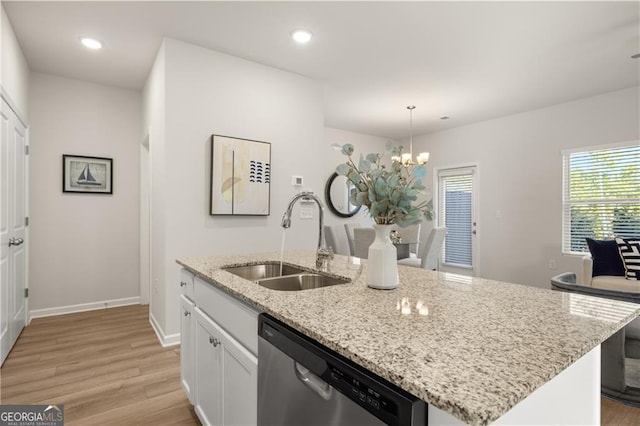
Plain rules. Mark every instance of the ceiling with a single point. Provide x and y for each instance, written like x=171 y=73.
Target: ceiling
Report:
x=471 y=61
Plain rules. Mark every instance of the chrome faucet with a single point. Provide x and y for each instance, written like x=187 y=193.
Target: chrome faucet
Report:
x=323 y=254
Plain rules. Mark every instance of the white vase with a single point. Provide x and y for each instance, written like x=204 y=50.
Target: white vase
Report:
x=382 y=264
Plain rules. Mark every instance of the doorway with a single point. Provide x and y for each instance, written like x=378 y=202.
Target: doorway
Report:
x=457 y=204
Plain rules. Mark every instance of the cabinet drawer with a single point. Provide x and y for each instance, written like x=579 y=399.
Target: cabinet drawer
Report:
x=186 y=283
x=237 y=319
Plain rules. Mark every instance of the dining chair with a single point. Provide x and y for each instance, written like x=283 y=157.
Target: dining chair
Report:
x=348 y=227
x=363 y=237
x=429 y=251
x=411 y=234
x=336 y=238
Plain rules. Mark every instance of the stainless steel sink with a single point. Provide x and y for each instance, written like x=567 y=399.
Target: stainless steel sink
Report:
x=299 y=282
x=263 y=270
x=290 y=278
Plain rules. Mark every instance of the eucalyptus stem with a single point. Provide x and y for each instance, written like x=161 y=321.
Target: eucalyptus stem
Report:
x=388 y=193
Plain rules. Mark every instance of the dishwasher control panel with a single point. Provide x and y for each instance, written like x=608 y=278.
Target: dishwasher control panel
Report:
x=361 y=392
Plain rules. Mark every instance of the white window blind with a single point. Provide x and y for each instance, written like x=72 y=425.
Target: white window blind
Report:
x=455 y=211
x=601 y=195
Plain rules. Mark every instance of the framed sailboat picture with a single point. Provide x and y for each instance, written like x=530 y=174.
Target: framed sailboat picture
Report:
x=240 y=176
x=89 y=175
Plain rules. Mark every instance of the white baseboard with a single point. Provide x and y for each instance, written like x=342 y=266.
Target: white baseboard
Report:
x=165 y=340
x=93 y=306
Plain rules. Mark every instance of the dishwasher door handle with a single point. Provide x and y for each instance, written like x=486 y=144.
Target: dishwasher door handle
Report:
x=313 y=382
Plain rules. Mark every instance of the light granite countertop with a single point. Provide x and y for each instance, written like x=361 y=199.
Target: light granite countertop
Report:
x=474 y=349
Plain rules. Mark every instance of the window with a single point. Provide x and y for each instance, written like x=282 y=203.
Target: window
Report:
x=601 y=194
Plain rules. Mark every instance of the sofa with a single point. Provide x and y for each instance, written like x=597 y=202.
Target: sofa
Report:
x=620 y=354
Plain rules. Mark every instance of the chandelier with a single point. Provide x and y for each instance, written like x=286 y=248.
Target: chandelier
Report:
x=407 y=158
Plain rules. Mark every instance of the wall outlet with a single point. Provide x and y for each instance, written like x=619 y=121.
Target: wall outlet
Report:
x=553 y=264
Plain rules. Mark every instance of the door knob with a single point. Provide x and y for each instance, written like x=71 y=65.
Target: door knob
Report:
x=15 y=241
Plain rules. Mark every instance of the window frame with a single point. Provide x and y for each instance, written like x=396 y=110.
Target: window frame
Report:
x=566 y=191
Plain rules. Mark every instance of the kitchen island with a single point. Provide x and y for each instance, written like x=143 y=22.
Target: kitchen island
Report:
x=476 y=351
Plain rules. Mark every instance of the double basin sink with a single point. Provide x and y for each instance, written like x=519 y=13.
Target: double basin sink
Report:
x=283 y=278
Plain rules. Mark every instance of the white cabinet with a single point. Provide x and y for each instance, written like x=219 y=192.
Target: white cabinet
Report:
x=235 y=317
x=187 y=347
x=219 y=344
x=227 y=376
x=186 y=283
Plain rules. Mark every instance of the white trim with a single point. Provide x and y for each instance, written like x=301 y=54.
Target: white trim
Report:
x=27 y=233
x=4 y=95
x=165 y=341
x=145 y=222
x=590 y=148
x=93 y=306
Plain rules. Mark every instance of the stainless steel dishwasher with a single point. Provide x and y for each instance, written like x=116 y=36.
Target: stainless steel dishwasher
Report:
x=301 y=382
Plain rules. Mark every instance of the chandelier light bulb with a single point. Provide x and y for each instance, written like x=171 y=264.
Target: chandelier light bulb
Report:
x=423 y=158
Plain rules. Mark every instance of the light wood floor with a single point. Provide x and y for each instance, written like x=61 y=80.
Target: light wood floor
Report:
x=107 y=367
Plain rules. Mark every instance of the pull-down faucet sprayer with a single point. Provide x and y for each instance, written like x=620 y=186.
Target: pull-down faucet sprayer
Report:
x=323 y=254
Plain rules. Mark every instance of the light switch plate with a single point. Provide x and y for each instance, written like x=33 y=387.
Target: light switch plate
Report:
x=306 y=212
x=297 y=180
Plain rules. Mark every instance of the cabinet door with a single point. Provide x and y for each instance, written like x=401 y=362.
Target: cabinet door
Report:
x=208 y=371
x=240 y=382
x=226 y=376
x=187 y=348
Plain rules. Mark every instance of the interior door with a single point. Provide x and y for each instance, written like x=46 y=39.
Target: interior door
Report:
x=5 y=335
x=18 y=228
x=457 y=204
x=12 y=229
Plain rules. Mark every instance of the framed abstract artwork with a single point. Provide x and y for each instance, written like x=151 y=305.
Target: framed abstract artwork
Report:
x=240 y=176
x=88 y=175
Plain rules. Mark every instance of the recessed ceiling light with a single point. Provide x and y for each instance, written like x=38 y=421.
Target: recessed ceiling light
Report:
x=91 y=43
x=301 y=36
x=445 y=117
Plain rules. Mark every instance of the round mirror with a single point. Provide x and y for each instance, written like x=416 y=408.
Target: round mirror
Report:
x=336 y=193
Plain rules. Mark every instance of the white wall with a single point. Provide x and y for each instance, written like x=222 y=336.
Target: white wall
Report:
x=14 y=71
x=207 y=93
x=154 y=123
x=520 y=174
x=84 y=247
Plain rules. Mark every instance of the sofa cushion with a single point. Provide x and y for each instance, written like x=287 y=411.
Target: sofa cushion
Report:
x=609 y=282
x=606 y=258
x=630 y=252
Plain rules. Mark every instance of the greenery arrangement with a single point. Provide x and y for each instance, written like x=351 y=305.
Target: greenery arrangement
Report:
x=390 y=194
